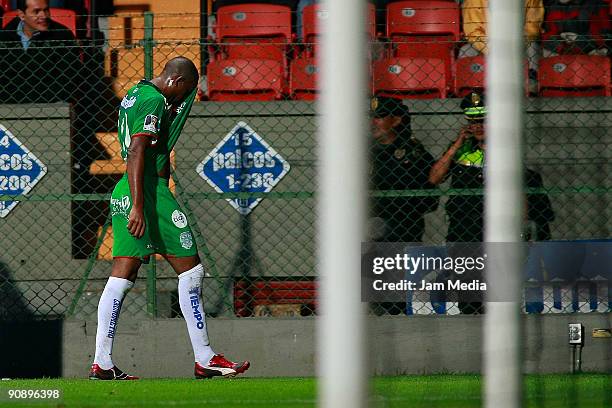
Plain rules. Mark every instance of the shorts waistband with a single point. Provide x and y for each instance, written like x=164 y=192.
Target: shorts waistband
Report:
x=160 y=181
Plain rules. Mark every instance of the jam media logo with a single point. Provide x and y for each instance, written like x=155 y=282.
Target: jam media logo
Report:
x=195 y=305
x=114 y=317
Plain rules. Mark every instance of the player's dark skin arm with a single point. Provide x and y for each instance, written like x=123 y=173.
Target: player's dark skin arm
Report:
x=135 y=170
x=439 y=170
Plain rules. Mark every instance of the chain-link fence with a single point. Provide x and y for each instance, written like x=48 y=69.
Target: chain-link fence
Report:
x=244 y=169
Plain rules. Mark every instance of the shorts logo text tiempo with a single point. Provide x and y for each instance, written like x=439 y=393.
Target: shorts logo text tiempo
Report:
x=195 y=305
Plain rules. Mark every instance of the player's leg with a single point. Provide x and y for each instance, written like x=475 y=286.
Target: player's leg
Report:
x=190 y=274
x=207 y=364
x=128 y=253
x=122 y=279
x=176 y=242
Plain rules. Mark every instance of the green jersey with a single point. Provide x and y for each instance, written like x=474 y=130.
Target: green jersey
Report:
x=144 y=112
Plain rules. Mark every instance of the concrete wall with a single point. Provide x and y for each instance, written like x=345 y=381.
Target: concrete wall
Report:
x=285 y=347
x=35 y=236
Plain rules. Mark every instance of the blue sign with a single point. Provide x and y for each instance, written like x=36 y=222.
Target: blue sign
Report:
x=20 y=170
x=243 y=162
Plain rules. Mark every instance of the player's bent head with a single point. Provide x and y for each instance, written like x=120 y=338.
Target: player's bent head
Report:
x=181 y=77
x=182 y=67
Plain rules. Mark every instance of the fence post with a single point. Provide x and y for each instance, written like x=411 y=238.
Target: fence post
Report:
x=148 y=44
x=152 y=287
x=148 y=68
x=504 y=199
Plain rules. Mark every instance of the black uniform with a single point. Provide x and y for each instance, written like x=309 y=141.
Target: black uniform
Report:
x=539 y=207
x=466 y=212
x=402 y=165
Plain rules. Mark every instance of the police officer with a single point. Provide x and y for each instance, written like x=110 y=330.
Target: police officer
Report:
x=464 y=162
x=400 y=162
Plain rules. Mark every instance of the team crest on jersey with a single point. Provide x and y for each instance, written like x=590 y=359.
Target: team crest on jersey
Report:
x=127 y=103
x=150 y=123
x=186 y=240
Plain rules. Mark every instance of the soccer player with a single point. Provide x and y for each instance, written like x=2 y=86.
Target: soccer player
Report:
x=147 y=219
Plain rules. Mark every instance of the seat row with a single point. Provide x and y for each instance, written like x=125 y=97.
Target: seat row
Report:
x=418 y=78
x=253 y=56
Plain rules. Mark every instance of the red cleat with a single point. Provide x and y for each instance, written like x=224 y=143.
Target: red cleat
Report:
x=220 y=366
x=97 y=373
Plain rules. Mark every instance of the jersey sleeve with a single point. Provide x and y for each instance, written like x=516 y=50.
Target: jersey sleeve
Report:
x=147 y=121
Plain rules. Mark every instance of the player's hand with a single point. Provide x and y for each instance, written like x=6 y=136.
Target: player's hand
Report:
x=136 y=223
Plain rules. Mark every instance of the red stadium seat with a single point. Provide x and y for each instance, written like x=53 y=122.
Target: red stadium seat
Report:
x=253 y=32
x=312 y=14
x=303 y=79
x=253 y=21
x=470 y=75
x=419 y=29
x=311 y=29
x=63 y=16
x=250 y=48
x=410 y=18
x=426 y=47
x=245 y=80
x=5 y=5
x=421 y=78
x=574 y=75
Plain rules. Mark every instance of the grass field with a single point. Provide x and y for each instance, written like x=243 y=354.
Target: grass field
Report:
x=553 y=391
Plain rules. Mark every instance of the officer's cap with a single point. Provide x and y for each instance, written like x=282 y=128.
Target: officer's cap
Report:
x=473 y=106
x=382 y=106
